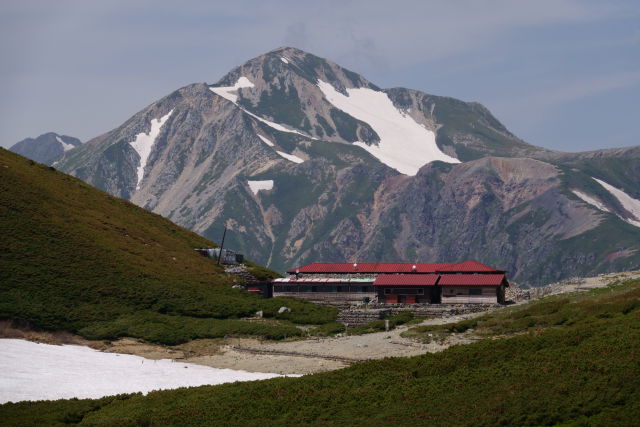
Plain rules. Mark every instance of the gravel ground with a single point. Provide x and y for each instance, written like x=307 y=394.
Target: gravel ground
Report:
x=318 y=354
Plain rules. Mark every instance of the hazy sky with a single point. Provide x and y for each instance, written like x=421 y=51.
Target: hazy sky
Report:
x=563 y=74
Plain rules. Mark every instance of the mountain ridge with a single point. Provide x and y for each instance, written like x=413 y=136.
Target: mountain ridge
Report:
x=288 y=117
x=47 y=148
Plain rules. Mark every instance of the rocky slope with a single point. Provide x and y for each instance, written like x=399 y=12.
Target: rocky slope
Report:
x=306 y=161
x=48 y=148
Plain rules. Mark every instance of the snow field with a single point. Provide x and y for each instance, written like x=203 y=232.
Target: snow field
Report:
x=266 y=141
x=404 y=144
x=32 y=371
x=227 y=93
x=629 y=203
x=260 y=185
x=65 y=146
x=290 y=157
x=144 y=143
x=590 y=200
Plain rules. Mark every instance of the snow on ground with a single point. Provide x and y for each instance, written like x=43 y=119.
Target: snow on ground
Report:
x=144 y=142
x=629 y=203
x=260 y=185
x=291 y=157
x=590 y=200
x=226 y=92
x=283 y=59
x=404 y=144
x=32 y=371
x=65 y=146
x=266 y=141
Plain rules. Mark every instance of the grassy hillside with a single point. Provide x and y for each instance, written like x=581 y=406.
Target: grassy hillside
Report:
x=567 y=361
x=73 y=258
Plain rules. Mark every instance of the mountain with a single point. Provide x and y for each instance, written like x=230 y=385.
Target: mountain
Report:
x=303 y=160
x=79 y=260
x=48 y=148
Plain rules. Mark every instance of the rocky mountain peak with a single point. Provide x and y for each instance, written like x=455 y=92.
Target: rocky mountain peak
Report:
x=303 y=160
x=47 y=148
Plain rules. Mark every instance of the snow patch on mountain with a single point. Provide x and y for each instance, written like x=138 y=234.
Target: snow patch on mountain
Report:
x=65 y=146
x=230 y=92
x=227 y=93
x=629 y=203
x=33 y=371
x=260 y=185
x=276 y=126
x=144 y=142
x=283 y=59
x=266 y=141
x=590 y=200
x=290 y=157
x=404 y=144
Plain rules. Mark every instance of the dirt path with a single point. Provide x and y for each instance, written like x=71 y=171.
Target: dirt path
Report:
x=291 y=357
x=302 y=356
x=324 y=354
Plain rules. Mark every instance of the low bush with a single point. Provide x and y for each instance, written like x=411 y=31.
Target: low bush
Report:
x=582 y=373
x=172 y=330
x=78 y=260
x=328 y=329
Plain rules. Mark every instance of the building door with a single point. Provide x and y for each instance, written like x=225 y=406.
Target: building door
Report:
x=436 y=295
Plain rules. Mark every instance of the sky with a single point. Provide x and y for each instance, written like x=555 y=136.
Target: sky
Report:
x=562 y=74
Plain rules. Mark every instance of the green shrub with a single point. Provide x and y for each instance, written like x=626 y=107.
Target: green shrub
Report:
x=579 y=374
x=76 y=259
x=327 y=329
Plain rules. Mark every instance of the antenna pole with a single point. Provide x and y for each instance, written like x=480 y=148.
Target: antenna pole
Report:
x=222 y=244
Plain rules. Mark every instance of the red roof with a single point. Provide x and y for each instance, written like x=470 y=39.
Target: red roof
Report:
x=471 y=279
x=468 y=266
x=391 y=267
x=406 y=280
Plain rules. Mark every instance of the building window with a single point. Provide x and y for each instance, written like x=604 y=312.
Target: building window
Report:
x=387 y=291
x=475 y=291
x=314 y=289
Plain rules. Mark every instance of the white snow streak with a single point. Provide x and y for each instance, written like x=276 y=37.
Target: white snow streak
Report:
x=276 y=126
x=260 y=185
x=65 y=146
x=266 y=141
x=32 y=371
x=404 y=144
x=590 y=200
x=291 y=157
x=629 y=203
x=283 y=59
x=144 y=142
x=226 y=92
